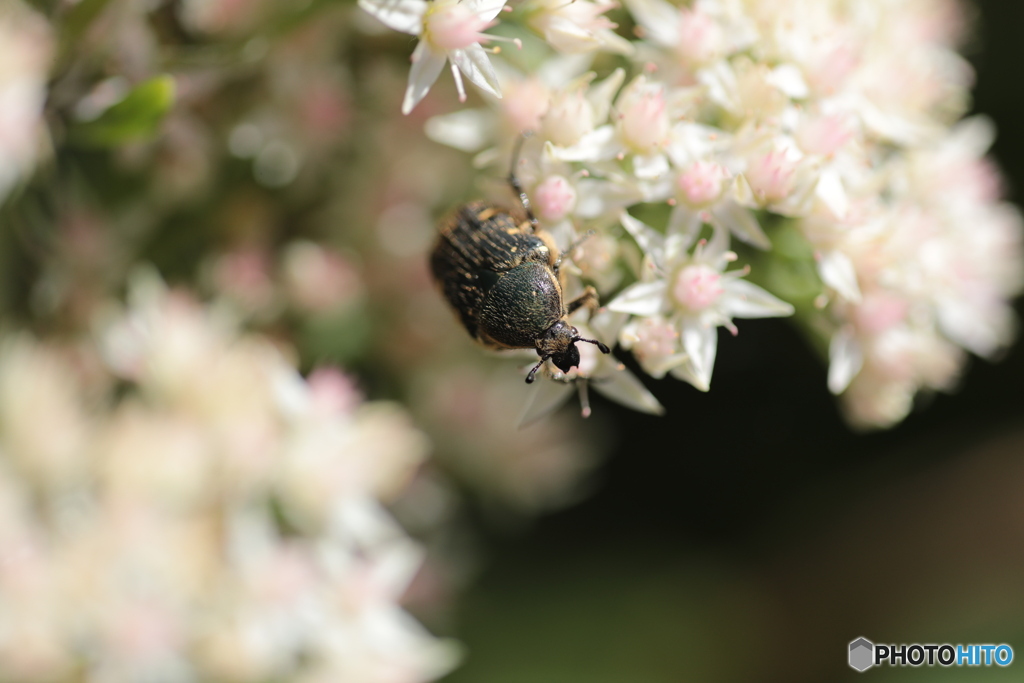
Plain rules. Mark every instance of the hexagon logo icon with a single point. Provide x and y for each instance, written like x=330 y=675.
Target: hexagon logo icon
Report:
x=862 y=654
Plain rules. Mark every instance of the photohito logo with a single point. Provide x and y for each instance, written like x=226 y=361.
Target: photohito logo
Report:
x=864 y=654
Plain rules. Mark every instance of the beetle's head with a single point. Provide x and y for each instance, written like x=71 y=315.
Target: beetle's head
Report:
x=559 y=345
x=566 y=360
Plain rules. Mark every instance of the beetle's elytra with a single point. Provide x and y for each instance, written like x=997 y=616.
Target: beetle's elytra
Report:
x=501 y=275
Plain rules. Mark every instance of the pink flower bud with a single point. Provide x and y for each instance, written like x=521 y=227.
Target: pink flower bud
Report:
x=696 y=287
x=643 y=117
x=554 y=197
x=524 y=104
x=771 y=176
x=702 y=184
x=700 y=37
x=333 y=393
x=824 y=135
x=452 y=25
x=880 y=311
x=656 y=340
x=569 y=117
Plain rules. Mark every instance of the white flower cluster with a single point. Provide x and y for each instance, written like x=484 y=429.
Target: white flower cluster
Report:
x=834 y=120
x=26 y=48
x=192 y=509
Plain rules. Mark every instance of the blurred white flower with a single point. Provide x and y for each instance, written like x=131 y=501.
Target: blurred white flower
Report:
x=220 y=518
x=26 y=49
x=576 y=26
x=449 y=30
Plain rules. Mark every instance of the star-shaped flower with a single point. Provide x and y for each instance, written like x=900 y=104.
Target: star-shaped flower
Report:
x=695 y=294
x=449 y=30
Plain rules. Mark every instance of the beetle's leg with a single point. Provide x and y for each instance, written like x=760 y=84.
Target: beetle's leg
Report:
x=588 y=298
x=568 y=250
x=535 y=368
x=517 y=187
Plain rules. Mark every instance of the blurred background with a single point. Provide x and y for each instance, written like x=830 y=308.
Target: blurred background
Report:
x=746 y=535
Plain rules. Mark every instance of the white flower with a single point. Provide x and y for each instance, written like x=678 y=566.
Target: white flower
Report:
x=704 y=189
x=576 y=26
x=640 y=128
x=449 y=30
x=25 y=52
x=695 y=293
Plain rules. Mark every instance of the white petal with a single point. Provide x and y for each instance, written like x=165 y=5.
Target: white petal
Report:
x=474 y=63
x=467 y=130
x=650 y=166
x=845 y=360
x=489 y=157
x=659 y=18
x=652 y=242
x=687 y=373
x=973 y=136
x=740 y=221
x=607 y=324
x=485 y=9
x=692 y=142
x=832 y=193
x=642 y=298
x=545 y=397
x=596 y=198
x=558 y=70
x=720 y=82
x=983 y=330
x=790 y=80
x=613 y=42
x=658 y=368
x=565 y=35
x=686 y=223
x=701 y=344
x=715 y=251
x=396 y=564
x=597 y=145
x=624 y=388
x=401 y=15
x=426 y=66
x=600 y=94
x=836 y=270
x=743 y=299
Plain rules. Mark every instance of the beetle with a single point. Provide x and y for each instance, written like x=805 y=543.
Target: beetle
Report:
x=501 y=273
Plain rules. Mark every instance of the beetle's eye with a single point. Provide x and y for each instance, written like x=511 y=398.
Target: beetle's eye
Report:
x=575 y=332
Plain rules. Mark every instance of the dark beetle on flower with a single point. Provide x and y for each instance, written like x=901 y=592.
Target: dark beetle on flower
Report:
x=502 y=276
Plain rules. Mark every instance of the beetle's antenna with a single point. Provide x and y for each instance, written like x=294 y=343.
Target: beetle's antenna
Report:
x=517 y=187
x=604 y=349
x=533 y=371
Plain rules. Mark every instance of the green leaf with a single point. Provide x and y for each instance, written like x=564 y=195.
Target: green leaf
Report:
x=136 y=117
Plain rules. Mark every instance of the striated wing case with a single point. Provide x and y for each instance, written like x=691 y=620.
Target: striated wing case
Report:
x=476 y=245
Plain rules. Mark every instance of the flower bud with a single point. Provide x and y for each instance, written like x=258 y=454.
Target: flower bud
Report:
x=643 y=121
x=569 y=117
x=554 y=197
x=697 y=287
